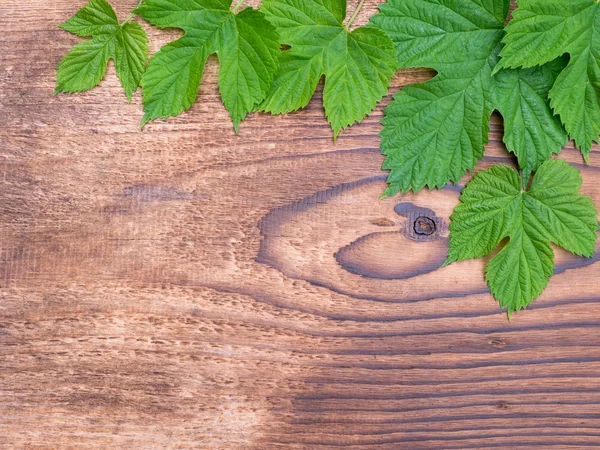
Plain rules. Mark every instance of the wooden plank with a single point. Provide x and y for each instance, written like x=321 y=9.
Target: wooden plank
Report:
x=184 y=287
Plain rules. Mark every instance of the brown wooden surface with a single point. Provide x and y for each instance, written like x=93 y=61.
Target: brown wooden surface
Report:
x=184 y=287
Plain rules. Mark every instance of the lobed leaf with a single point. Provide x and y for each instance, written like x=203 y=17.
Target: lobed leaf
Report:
x=542 y=30
x=434 y=132
x=357 y=65
x=84 y=66
x=494 y=207
x=246 y=44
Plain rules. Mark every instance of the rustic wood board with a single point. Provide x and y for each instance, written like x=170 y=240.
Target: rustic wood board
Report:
x=184 y=287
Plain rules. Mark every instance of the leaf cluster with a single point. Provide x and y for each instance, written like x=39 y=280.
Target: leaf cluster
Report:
x=254 y=73
x=541 y=72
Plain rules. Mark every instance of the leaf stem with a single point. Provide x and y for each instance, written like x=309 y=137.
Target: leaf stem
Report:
x=356 y=11
x=133 y=14
x=237 y=6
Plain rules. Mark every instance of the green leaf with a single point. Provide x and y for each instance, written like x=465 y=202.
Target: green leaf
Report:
x=84 y=66
x=358 y=65
x=531 y=131
x=130 y=56
x=494 y=207
x=435 y=131
x=247 y=46
x=542 y=30
x=97 y=17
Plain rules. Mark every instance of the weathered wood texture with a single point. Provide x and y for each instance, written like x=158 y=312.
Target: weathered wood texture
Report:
x=184 y=287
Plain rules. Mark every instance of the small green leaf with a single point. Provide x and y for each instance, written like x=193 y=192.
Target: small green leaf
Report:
x=248 y=61
x=246 y=44
x=97 y=17
x=131 y=55
x=85 y=65
x=358 y=65
x=494 y=207
x=531 y=131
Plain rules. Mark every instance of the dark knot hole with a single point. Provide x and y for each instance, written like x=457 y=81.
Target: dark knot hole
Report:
x=424 y=226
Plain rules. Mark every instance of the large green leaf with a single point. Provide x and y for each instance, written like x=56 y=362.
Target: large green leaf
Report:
x=435 y=131
x=358 y=65
x=85 y=64
x=542 y=30
x=494 y=207
x=247 y=46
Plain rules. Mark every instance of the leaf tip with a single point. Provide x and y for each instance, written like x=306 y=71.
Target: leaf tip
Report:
x=449 y=260
x=145 y=120
x=586 y=158
x=496 y=69
x=389 y=192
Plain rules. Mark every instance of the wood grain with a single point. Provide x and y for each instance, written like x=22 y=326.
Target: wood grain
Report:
x=183 y=287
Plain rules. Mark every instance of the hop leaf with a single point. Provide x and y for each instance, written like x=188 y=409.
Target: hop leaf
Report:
x=247 y=46
x=493 y=207
x=358 y=65
x=542 y=30
x=85 y=65
x=435 y=131
x=530 y=129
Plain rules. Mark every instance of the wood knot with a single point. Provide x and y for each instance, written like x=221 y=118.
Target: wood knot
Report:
x=424 y=226
x=501 y=405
